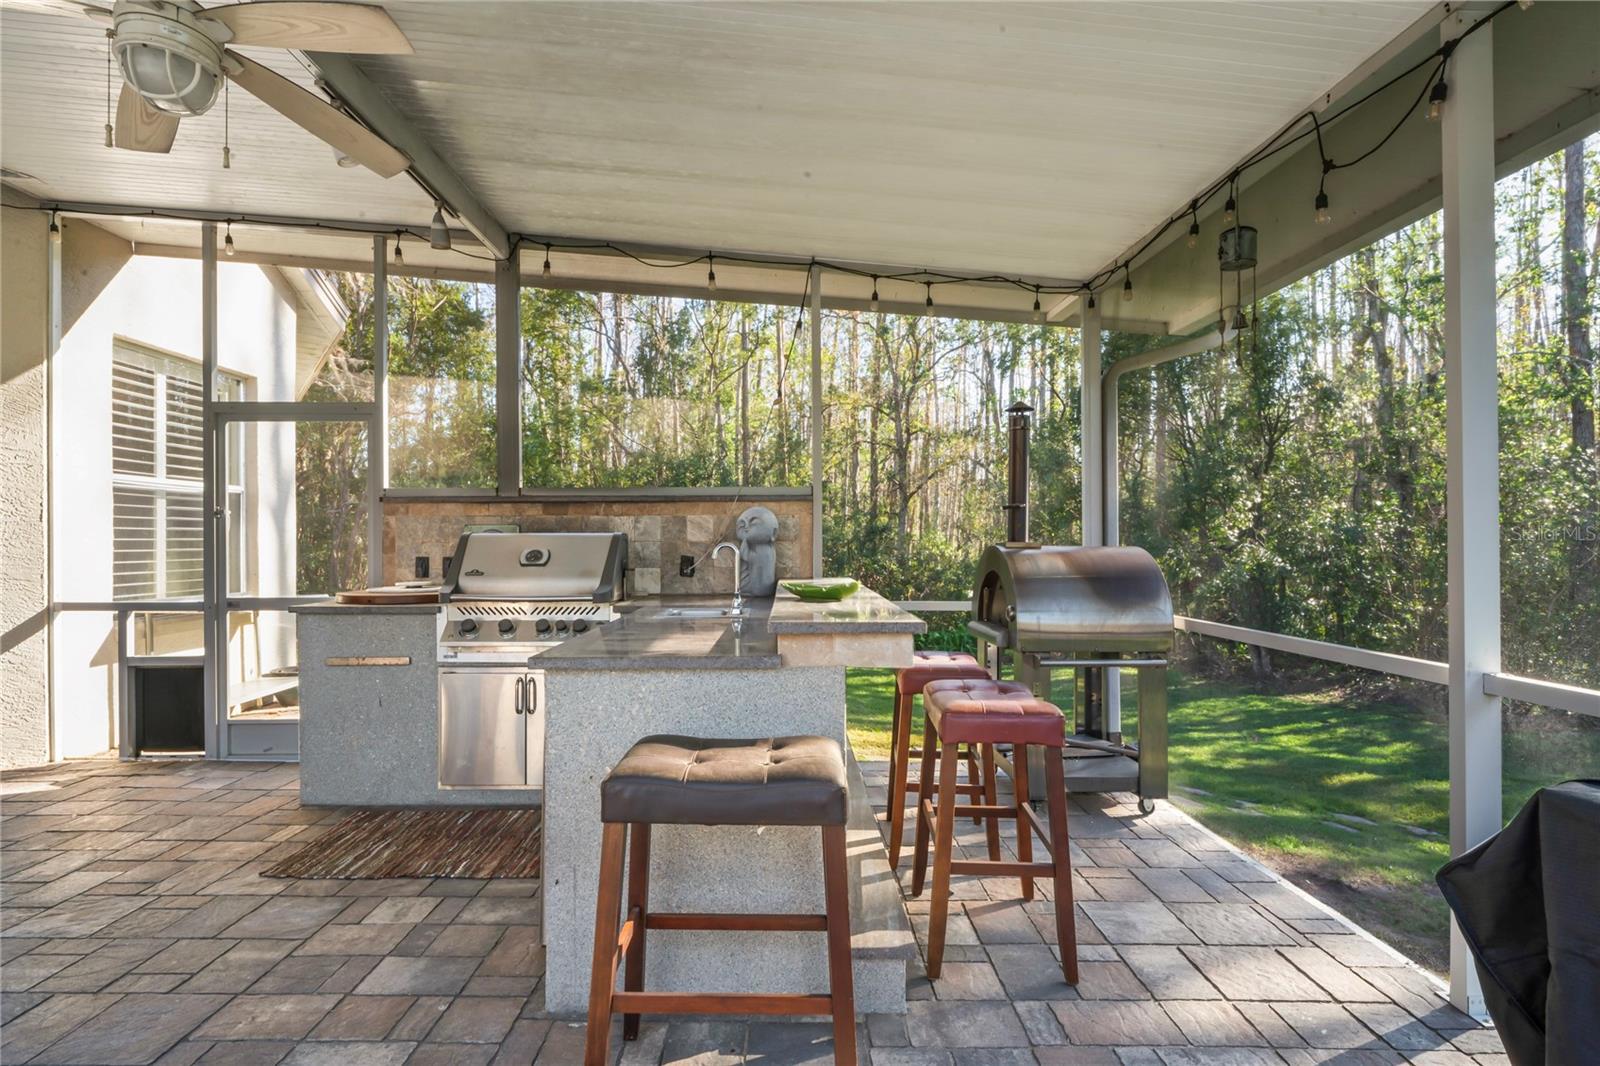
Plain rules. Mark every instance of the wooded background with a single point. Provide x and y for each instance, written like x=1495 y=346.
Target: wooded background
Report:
x=1294 y=483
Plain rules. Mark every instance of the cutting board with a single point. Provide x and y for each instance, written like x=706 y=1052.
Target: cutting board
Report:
x=388 y=594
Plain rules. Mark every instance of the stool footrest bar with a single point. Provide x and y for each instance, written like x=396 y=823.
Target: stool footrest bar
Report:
x=1002 y=868
x=780 y=923
x=719 y=1003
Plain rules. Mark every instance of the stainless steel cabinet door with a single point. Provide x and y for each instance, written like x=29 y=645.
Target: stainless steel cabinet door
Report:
x=534 y=715
x=482 y=730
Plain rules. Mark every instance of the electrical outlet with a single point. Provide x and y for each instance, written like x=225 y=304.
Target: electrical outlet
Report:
x=421 y=566
x=686 y=566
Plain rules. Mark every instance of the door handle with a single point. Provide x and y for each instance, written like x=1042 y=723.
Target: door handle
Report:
x=522 y=693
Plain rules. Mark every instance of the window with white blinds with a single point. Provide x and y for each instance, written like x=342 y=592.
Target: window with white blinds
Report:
x=157 y=475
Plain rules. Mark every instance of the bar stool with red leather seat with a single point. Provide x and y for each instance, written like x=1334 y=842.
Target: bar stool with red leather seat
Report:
x=988 y=713
x=909 y=681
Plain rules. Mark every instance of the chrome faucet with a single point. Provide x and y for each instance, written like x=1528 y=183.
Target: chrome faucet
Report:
x=738 y=598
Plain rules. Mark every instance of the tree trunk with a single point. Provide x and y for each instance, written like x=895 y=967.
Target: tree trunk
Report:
x=1575 y=303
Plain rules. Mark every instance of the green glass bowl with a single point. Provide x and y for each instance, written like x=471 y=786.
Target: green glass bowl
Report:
x=823 y=590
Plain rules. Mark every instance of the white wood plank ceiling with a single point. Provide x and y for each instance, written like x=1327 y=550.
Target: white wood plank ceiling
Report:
x=1024 y=138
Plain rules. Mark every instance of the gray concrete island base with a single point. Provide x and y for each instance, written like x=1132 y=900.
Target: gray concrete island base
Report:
x=595 y=715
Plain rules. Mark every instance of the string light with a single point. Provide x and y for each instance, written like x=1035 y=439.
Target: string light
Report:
x=1321 y=202
x=1436 y=98
x=872 y=304
x=1230 y=210
x=711 y=273
x=1091 y=300
x=544 y=271
x=1194 y=224
x=399 y=256
x=438 y=232
x=227 y=239
x=1127 y=284
x=928 y=303
x=1038 y=312
x=55 y=229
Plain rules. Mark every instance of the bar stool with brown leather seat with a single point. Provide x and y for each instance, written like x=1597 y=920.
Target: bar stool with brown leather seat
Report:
x=679 y=780
x=909 y=681
x=988 y=713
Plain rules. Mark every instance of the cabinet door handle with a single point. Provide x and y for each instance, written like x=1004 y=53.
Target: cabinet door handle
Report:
x=522 y=693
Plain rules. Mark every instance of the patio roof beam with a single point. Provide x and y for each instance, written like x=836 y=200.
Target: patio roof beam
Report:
x=347 y=82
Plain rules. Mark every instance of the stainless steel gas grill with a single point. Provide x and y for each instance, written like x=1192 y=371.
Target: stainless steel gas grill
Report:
x=508 y=597
x=1091 y=610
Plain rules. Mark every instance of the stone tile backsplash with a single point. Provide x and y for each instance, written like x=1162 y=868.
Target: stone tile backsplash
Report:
x=660 y=532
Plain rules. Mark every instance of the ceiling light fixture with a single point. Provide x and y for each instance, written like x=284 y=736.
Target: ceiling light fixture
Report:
x=438 y=232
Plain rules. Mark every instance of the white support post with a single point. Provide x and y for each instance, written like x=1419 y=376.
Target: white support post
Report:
x=213 y=540
x=1111 y=532
x=508 y=373
x=1472 y=463
x=816 y=421
x=378 y=424
x=53 y=249
x=1090 y=431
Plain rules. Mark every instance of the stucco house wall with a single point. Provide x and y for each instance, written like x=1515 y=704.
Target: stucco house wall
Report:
x=24 y=559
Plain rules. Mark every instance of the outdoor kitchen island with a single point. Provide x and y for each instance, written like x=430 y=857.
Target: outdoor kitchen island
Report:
x=370 y=737
x=781 y=671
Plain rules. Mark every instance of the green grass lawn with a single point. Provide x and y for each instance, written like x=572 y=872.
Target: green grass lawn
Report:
x=1270 y=771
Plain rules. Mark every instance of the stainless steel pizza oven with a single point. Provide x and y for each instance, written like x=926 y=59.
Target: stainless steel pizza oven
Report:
x=1096 y=611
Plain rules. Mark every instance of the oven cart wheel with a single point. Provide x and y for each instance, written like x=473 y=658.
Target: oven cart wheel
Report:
x=1147 y=806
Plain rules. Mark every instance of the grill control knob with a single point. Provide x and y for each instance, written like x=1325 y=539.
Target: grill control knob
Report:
x=542 y=625
x=561 y=627
x=507 y=627
x=580 y=626
x=468 y=627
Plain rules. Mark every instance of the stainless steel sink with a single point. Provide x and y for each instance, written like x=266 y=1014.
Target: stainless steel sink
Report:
x=704 y=612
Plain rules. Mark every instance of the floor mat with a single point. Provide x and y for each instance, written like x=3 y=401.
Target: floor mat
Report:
x=475 y=843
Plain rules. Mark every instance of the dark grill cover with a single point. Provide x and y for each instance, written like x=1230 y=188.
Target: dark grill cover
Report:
x=1528 y=900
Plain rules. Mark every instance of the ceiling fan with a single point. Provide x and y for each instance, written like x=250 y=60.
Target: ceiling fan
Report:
x=173 y=60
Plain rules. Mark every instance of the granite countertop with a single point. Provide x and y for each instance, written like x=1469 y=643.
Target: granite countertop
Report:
x=646 y=637
x=864 y=612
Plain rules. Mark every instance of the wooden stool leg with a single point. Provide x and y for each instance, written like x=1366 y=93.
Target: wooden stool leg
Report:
x=974 y=777
x=841 y=982
x=603 y=972
x=943 y=844
x=1019 y=783
x=900 y=752
x=991 y=796
x=639 y=908
x=927 y=790
x=1056 y=796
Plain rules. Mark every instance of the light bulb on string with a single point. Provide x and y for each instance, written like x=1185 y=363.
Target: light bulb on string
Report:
x=1038 y=311
x=399 y=256
x=1230 y=210
x=227 y=239
x=438 y=232
x=1127 y=286
x=1194 y=224
x=928 y=303
x=55 y=229
x=711 y=273
x=1436 y=98
x=1091 y=300
x=1321 y=204
x=544 y=271
x=872 y=304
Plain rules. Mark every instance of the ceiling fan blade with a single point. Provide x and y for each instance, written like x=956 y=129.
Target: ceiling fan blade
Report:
x=316 y=116
x=318 y=27
x=141 y=126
